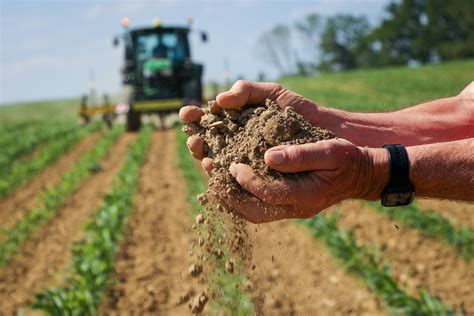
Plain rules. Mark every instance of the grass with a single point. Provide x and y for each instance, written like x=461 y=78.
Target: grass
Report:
x=384 y=89
x=93 y=257
x=54 y=197
x=368 y=266
x=232 y=298
x=432 y=225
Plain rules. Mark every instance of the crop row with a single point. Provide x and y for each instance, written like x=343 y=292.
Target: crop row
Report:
x=54 y=197
x=432 y=225
x=368 y=265
x=232 y=298
x=23 y=170
x=28 y=141
x=93 y=257
x=14 y=130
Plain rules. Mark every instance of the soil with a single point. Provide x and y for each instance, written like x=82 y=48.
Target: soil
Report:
x=295 y=275
x=458 y=213
x=243 y=136
x=415 y=260
x=42 y=260
x=152 y=265
x=13 y=207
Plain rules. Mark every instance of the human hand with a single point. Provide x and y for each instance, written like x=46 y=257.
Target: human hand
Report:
x=243 y=93
x=334 y=170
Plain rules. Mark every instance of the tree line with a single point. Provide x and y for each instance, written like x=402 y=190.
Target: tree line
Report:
x=411 y=32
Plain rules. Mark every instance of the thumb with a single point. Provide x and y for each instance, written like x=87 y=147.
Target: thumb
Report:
x=300 y=158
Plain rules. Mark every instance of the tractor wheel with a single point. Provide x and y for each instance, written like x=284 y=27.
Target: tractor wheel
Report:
x=133 y=121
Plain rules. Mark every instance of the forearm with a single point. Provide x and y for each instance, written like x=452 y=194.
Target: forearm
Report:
x=443 y=170
x=436 y=121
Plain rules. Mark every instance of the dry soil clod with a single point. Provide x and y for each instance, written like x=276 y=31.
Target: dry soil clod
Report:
x=198 y=303
x=195 y=269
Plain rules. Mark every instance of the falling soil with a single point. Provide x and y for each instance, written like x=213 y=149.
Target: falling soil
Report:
x=240 y=136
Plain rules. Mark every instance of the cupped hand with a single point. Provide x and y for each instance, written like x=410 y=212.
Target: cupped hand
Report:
x=242 y=93
x=333 y=170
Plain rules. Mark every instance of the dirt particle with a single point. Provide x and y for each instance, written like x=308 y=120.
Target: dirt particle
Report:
x=199 y=219
x=229 y=266
x=198 y=303
x=195 y=269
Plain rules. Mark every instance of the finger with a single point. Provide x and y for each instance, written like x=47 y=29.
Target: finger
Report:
x=196 y=146
x=207 y=165
x=190 y=113
x=247 y=92
x=269 y=191
x=300 y=158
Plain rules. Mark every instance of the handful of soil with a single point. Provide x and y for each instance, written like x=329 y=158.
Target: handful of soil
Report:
x=243 y=136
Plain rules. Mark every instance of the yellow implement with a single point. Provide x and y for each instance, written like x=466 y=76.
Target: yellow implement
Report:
x=139 y=106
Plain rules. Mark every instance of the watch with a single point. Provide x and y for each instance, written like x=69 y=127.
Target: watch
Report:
x=399 y=191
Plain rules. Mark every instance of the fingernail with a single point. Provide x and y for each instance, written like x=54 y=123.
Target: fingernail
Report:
x=276 y=157
x=233 y=170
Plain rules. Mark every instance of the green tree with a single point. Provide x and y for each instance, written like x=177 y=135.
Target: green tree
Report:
x=426 y=30
x=343 y=38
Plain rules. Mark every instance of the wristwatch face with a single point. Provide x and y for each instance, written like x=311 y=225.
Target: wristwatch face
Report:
x=397 y=198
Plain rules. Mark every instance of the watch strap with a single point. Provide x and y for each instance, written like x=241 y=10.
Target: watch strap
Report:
x=399 y=165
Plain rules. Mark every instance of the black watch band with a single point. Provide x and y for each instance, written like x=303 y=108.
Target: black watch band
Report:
x=399 y=191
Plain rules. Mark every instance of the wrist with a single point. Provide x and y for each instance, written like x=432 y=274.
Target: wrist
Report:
x=374 y=173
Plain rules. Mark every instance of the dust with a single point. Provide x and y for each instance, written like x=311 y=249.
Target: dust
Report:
x=239 y=136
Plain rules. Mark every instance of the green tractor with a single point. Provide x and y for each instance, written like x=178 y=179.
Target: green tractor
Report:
x=158 y=73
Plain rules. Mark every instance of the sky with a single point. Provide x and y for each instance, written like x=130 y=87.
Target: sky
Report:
x=49 y=47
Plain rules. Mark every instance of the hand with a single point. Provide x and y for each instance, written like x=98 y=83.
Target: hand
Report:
x=247 y=92
x=335 y=170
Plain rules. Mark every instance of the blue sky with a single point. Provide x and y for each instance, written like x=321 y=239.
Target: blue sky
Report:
x=48 y=47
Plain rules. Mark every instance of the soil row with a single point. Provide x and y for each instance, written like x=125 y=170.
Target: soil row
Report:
x=151 y=266
x=44 y=258
x=459 y=213
x=14 y=206
x=415 y=260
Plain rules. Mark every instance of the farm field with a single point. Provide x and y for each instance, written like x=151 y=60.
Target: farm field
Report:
x=98 y=221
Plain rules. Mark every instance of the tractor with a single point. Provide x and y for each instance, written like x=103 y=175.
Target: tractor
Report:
x=158 y=73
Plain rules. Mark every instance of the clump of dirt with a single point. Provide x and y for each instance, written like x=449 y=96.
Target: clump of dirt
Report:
x=243 y=136
x=239 y=136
